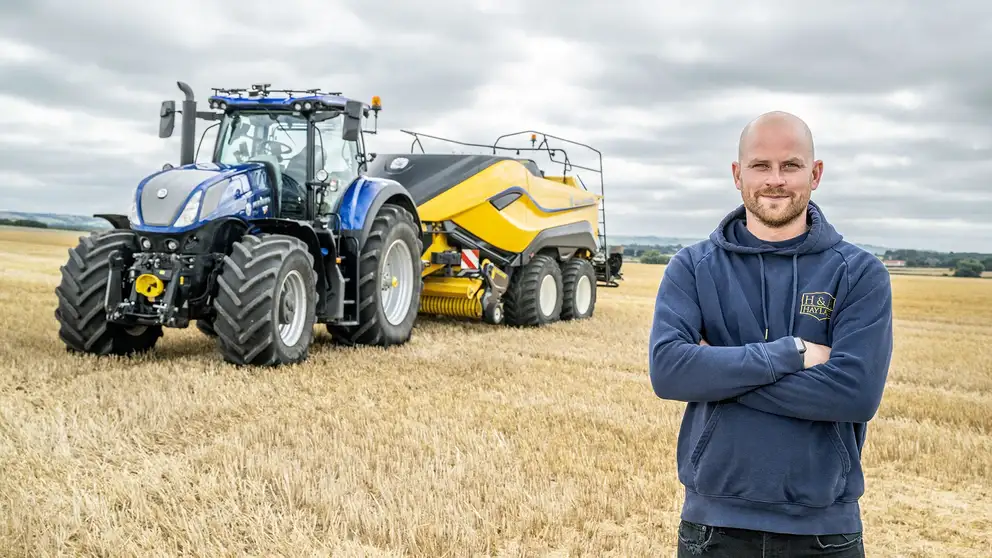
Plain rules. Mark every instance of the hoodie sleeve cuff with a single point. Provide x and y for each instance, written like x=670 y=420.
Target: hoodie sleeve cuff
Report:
x=783 y=357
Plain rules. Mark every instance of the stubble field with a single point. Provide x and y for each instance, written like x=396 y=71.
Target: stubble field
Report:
x=437 y=448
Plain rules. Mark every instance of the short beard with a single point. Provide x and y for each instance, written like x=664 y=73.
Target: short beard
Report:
x=796 y=207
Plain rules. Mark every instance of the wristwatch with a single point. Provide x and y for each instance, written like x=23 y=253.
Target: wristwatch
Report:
x=800 y=345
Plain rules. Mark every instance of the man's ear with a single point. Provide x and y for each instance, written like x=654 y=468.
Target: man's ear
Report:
x=735 y=169
x=817 y=174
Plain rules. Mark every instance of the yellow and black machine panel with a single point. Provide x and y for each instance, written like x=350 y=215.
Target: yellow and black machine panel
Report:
x=503 y=241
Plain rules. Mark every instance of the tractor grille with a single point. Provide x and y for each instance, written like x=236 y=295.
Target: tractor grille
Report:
x=178 y=185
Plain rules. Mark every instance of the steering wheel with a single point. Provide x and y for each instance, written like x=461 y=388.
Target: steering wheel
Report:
x=283 y=148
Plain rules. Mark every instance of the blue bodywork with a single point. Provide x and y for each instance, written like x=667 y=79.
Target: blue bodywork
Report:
x=357 y=200
x=239 y=186
x=243 y=184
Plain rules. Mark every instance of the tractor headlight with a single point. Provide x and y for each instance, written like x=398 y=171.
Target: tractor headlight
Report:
x=192 y=209
x=132 y=215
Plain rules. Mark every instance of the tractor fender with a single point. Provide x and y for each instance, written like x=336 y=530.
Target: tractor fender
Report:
x=299 y=229
x=361 y=203
x=323 y=260
x=115 y=220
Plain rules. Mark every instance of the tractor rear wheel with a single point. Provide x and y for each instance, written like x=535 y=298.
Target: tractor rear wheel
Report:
x=579 y=280
x=389 y=282
x=265 y=304
x=83 y=325
x=534 y=297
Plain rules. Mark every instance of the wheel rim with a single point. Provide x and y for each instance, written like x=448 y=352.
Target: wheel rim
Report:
x=396 y=287
x=549 y=294
x=583 y=294
x=292 y=308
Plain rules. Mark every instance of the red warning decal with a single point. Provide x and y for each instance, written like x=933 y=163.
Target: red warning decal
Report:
x=470 y=259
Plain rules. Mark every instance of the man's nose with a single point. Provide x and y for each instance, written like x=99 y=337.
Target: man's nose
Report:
x=775 y=178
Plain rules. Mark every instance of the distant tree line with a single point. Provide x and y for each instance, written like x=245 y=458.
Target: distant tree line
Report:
x=39 y=225
x=927 y=258
x=638 y=250
x=970 y=267
x=654 y=257
x=963 y=264
x=22 y=223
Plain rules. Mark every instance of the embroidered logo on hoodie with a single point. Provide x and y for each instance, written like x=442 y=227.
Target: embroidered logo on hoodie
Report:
x=817 y=305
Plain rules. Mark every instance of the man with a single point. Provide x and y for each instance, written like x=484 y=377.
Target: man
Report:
x=778 y=335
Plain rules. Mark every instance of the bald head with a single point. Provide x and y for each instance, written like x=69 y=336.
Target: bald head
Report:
x=778 y=123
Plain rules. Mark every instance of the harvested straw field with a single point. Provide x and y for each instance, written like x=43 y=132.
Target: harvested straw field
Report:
x=470 y=441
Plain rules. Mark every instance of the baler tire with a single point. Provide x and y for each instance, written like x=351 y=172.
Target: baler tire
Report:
x=83 y=325
x=393 y=223
x=248 y=302
x=522 y=303
x=573 y=273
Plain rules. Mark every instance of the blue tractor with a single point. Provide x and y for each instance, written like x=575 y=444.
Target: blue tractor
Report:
x=281 y=231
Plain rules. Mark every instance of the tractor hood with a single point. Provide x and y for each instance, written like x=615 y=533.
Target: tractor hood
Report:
x=181 y=197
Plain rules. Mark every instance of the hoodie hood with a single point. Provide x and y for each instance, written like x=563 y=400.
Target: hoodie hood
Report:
x=732 y=235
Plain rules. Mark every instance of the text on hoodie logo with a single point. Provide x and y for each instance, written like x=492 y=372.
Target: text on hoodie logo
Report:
x=817 y=305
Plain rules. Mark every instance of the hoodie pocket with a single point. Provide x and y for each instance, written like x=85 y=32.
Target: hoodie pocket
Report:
x=771 y=459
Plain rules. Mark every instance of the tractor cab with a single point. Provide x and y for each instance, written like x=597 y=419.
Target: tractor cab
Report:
x=309 y=142
x=282 y=141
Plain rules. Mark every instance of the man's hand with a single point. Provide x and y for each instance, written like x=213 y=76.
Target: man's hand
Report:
x=815 y=354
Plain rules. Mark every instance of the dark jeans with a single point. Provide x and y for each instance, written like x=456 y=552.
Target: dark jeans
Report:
x=703 y=541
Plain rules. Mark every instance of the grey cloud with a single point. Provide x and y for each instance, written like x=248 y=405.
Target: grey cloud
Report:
x=75 y=182
x=415 y=85
x=428 y=58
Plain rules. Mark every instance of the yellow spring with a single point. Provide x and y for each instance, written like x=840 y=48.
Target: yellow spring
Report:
x=449 y=306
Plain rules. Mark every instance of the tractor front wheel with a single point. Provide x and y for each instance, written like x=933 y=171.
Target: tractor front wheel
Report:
x=206 y=327
x=83 y=325
x=389 y=282
x=265 y=304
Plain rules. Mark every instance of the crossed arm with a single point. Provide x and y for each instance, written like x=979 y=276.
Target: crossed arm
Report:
x=772 y=376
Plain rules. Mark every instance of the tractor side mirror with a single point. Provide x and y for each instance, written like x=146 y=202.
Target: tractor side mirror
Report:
x=352 y=121
x=167 y=119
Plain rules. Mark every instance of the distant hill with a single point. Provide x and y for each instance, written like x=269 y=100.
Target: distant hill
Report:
x=57 y=220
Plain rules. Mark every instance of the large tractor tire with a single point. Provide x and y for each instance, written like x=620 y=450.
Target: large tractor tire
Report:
x=579 y=282
x=266 y=300
x=83 y=325
x=389 y=282
x=535 y=294
x=206 y=327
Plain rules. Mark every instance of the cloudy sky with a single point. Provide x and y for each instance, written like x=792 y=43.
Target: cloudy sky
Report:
x=898 y=95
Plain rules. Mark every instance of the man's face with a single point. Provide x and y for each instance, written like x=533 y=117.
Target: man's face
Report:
x=776 y=173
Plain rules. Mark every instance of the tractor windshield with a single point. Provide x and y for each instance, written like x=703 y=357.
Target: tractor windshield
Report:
x=281 y=138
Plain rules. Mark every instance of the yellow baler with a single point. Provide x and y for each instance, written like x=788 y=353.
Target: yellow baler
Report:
x=503 y=242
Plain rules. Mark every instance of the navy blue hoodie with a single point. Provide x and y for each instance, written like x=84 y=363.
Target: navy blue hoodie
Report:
x=764 y=443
